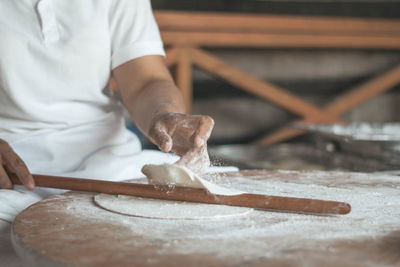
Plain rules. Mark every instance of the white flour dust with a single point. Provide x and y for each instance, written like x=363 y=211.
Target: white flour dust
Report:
x=375 y=201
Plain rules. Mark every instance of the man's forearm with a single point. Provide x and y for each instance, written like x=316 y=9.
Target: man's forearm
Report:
x=154 y=98
x=155 y=103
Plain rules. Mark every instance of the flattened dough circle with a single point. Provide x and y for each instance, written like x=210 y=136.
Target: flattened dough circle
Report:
x=164 y=209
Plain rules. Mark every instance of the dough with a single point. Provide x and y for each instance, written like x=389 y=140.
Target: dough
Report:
x=165 y=209
x=178 y=175
x=171 y=175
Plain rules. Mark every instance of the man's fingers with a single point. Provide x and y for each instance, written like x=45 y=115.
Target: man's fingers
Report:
x=203 y=132
x=15 y=165
x=5 y=182
x=162 y=140
x=180 y=133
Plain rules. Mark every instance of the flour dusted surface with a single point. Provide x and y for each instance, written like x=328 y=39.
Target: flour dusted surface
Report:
x=365 y=237
x=375 y=201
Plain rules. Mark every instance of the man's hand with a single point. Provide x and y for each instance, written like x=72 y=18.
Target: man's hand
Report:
x=180 y=133
x=157 y=107
x=11 y=163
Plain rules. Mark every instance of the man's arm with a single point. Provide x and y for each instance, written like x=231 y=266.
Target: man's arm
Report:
x=157 y=107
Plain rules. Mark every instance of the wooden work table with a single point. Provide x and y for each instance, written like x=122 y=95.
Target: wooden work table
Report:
x=69 y=229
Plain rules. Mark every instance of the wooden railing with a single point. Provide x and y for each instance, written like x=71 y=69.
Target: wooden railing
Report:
x=186 y=33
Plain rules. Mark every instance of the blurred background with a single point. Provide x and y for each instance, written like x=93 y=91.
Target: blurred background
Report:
x=315 y=74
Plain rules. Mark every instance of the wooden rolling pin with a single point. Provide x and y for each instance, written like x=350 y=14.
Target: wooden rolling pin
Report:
x=273 y=203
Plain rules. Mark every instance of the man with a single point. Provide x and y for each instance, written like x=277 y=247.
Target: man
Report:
x=57 y=115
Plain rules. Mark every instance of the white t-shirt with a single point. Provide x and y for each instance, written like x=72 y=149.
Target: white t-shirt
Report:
x=56 y=57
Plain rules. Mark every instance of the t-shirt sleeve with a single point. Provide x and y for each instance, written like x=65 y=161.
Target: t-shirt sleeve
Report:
x=133 y=31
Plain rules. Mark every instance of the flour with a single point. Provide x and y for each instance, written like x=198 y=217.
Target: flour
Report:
x=375 y=201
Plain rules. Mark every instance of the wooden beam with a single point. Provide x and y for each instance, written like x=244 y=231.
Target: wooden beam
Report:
x=365 y=91
x=184 y=76
x=251 y=84
x=281 y=40
x=239 y=22
x=342 y=104
x=280 y=135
